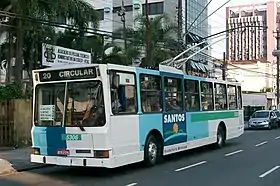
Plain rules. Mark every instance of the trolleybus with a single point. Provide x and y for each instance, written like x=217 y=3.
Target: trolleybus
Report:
x=106 y=115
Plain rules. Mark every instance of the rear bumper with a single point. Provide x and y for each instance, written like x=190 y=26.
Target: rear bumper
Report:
x=72 y=161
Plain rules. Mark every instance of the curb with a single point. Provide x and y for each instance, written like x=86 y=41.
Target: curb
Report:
x=34 y=168
x=12 y=170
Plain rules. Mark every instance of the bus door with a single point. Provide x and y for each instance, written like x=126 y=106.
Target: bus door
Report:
x=124 y=118
x=174 y=116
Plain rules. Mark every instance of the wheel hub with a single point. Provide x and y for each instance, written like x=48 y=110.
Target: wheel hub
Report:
x=152 y=151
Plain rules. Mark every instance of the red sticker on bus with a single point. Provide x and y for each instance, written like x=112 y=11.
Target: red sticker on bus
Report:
x=63 y=152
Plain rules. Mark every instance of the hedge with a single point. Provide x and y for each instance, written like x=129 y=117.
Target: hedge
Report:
x=13 y=91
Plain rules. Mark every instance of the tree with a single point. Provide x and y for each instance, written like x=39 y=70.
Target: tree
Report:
x=162 y=43
x=30 y=30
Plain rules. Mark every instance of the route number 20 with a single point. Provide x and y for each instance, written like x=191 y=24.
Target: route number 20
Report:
x=47 y=75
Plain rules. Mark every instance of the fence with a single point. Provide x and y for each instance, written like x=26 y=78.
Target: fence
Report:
x=7 y=123
x=15 y=122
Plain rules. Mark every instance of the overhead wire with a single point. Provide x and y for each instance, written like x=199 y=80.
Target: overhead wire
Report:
x=8 y=14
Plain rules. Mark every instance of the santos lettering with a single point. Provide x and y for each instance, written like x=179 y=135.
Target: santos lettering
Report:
x=174 y=118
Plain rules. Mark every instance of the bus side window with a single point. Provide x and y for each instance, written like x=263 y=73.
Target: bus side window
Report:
x=151 y=93
x=173 y=94
x=220 y=96
x=239 y=97
x=232 y=97
x=207 y=95
x=192 y=95
x=124 y=98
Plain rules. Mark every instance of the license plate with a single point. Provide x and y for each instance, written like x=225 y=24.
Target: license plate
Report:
x=63 y=152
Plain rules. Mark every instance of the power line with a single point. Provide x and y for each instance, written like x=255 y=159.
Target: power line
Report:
x=199 y=15
x=213 y=12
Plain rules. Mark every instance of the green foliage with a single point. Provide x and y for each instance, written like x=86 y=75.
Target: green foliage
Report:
x=12 y=91
x=163 y=44
x=38 y=29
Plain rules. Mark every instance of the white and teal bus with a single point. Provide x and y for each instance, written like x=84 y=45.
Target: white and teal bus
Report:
x=105 y=115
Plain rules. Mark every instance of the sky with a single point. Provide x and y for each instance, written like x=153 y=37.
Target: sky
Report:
x=218 y=22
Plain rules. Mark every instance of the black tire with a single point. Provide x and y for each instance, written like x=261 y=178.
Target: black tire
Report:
x=152 y=151
x=269 y=126
x=221 y=137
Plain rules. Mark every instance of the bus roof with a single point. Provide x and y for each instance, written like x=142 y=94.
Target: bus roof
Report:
x=162 y=68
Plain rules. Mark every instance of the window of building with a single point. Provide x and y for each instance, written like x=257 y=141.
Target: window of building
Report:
x=154 y=8
x=124 y=97
x=232 y=97
x=239 y=97
x=127 y=8
x=61 y=19
x=207 y=96
x=192 y=95
x=151 y=93
x=220 y=96
x=101 y=14
x=173 y=94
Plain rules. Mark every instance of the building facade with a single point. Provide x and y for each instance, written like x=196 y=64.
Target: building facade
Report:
x=250 y=44
x=110 y=21
x=255 y=42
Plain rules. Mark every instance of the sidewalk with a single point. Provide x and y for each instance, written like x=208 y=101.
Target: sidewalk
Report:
x=16 y=160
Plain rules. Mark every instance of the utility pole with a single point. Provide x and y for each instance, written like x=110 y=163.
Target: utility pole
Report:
x=180 y=21
x=224 y=69
x=121 y=13
x=277 y=67
x=147 y=33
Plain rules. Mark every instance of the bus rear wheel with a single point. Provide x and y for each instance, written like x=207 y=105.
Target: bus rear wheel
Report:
x=221 y=137
x=152 y=151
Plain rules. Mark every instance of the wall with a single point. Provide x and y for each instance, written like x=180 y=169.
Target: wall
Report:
x=252 y=76
x=22 y=121
x=15 y=122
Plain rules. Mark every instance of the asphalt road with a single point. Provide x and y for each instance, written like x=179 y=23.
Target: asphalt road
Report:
x=251 y=160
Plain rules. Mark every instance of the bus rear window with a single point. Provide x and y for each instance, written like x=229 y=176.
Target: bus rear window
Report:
x=49 y=104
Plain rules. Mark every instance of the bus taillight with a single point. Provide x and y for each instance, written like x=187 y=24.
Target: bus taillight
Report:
x=101 y=153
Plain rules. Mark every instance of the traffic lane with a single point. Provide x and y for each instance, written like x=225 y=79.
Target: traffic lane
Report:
x=253 y=166
x=261 y=134
x=117 y=177
x=135 y=173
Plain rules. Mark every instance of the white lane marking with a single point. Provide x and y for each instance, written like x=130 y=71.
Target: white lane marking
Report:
x=232 y=153
x=262 y=143
x=190 y=166
x=131 y=184
x=269 y=171
x=277 y=137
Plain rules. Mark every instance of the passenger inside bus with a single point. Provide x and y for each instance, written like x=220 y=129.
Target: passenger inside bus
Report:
x=116 y=105
x=173 y=105
x=123 y=99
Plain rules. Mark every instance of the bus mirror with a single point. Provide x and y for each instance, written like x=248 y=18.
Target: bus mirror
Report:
x=116 y=80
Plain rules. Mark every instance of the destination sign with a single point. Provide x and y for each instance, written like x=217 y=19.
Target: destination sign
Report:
x=57 y=75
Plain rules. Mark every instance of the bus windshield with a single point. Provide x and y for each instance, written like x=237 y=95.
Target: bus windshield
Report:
x=80 y=104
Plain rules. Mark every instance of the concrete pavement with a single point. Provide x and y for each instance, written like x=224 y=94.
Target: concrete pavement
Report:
x=251 y=160
x=16 y=160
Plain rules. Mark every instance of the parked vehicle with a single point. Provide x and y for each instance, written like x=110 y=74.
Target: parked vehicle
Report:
x=278 y=117
x=264 y=119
